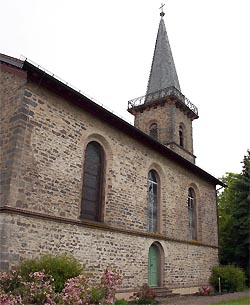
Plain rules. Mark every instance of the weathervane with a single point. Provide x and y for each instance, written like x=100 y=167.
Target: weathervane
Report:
x=161 y=8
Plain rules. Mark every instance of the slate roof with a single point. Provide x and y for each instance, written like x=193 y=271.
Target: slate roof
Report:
x=163 y=73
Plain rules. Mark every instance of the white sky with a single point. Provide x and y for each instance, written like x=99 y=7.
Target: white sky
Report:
x=105 y=48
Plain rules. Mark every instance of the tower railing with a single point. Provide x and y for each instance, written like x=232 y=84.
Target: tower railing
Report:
x=161 y=94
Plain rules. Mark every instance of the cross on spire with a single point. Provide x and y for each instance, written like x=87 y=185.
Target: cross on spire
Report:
x=161 y=8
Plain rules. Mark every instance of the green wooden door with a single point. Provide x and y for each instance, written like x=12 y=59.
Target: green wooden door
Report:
x=153 y=266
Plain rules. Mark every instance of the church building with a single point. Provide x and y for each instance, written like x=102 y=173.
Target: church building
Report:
x=77 y=179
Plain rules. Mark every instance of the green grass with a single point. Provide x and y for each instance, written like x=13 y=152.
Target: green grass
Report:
x=240 y=301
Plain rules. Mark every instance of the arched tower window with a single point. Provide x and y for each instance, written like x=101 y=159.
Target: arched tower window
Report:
x=153 y=131
x=152 y=201
x=181 y=136
x=91 y=206
x=191 y=214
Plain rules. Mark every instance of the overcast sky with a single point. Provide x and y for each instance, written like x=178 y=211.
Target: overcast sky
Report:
x=105 y=48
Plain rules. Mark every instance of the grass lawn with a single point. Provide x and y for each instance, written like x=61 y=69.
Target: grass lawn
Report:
x=240 y=301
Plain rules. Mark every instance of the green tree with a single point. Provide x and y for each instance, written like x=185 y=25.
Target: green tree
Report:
x=226 y=201
x=234 y=218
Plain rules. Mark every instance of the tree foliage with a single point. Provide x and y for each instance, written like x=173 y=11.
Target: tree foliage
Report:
x=234 y=217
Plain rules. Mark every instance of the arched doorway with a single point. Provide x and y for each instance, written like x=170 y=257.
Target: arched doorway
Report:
x=155 y=265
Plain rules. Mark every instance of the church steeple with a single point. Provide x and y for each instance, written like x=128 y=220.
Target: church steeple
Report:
x=163 y=73
x=164 y=112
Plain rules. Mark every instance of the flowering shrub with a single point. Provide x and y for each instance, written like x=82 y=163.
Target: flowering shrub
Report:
x=146 y=295
x=77 y=290
x=40 y=289
x=15 y=290
x=205 y=290
x=8 y=299
x=109 y=281
x=10 y=281
x=86 y=290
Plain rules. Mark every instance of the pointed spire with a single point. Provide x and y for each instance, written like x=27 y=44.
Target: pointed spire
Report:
x=163 y=73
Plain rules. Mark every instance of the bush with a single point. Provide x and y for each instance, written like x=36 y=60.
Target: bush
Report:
x=88 y=290
x=10 y=281
x=121 y=302
x=231 y=278
x=61 y=267
x=204 y=290
x=146 y=295
x=39 y=289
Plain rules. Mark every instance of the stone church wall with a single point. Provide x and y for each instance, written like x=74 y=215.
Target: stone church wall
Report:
x=11 y=107
x=46 y=182
x=184 y=264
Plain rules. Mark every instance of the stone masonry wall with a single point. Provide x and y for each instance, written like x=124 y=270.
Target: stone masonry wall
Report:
x=50 y=176
x=184 y=264
x=168 y=119
x=12 y=127
x=48 y=181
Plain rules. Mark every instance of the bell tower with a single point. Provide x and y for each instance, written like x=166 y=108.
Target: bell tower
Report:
x=164 y=112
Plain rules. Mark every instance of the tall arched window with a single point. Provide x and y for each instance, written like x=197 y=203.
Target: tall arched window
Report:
x=181 y=136
x=191 y=214
x=153 y=131
x=152 y=198
x=91 y=207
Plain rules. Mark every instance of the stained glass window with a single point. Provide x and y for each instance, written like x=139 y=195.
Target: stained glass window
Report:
x=152 y=198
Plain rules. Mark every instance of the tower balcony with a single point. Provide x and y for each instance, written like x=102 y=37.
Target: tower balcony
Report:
x=160 y=96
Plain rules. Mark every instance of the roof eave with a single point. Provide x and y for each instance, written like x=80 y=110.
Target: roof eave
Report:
x=11 y=61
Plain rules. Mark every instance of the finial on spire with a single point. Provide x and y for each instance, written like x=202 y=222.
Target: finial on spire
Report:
x=161 y=8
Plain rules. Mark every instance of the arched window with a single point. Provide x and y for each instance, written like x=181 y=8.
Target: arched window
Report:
x=91 y=207
x=152 y=198
x=191 y=214
x=181 y=136
x=153 y=131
